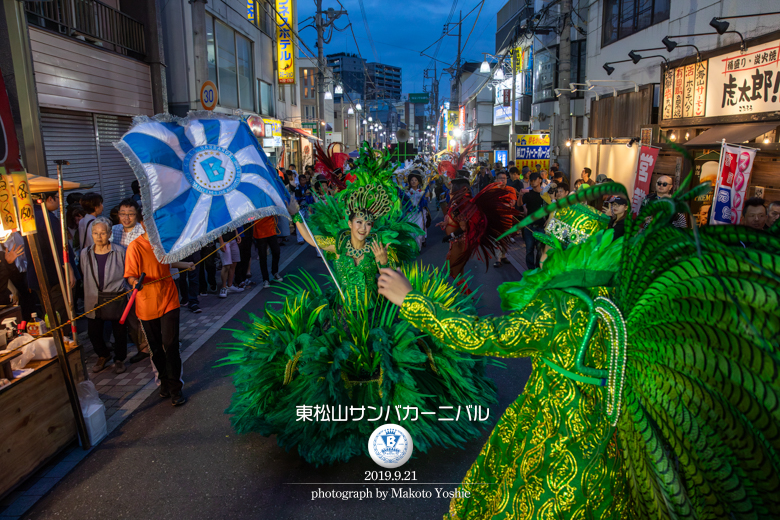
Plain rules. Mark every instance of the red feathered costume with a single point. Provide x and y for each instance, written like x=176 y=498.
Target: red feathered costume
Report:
x=451 y=170
x=477 y=223
x=331 y=166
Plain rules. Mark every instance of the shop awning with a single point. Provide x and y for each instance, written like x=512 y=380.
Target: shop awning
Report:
x=298 y=132
x=735 y=134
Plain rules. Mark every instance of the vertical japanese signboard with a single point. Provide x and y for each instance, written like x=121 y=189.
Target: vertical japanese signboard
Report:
x=700 y=89
x=285 y=19
x=501 y=156
x=533 y=149
x=25 y=202
x=273 y=133
x=668 y=94
x=679 y=92
x=745 y=83
x=688 y=90
x=736 y=165
x=7 y=209
x=644 y=172
x=452 y=123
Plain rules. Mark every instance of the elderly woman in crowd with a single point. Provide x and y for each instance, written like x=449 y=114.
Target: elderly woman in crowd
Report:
x=103 y=267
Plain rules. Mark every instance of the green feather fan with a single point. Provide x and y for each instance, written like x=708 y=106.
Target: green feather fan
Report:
x=700 y=423
x=308 y=349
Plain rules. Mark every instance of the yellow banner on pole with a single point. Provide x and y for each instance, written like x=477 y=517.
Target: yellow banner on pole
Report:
x=285 y=19
x=7 y=208
x=24 y=201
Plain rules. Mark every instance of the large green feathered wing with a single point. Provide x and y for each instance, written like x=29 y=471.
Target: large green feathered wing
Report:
x=700 y=420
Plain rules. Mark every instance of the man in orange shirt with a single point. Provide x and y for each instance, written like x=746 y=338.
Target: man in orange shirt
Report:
x=264 y=233
x=157 y=307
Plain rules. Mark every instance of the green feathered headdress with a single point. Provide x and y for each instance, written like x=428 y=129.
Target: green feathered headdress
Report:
x=572 y=225
x=371 y=193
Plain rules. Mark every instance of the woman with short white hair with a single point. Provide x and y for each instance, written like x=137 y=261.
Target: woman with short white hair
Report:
x=103 y=266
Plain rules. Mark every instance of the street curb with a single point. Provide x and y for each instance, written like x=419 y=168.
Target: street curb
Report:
x=27 y=500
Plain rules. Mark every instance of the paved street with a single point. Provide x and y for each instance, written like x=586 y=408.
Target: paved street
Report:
x=187 y=462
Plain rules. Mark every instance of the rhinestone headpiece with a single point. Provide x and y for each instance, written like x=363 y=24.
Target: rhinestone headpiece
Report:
x=369 y=202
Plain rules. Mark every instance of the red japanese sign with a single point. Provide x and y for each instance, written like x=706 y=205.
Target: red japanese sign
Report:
x=733 y=178
x=644 y=172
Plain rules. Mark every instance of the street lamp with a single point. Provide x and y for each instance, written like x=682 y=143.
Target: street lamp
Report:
x=350 y=111
x=370 y=118
x=328 y=95
x=358 y=107
x=339 y=90
x=485 y=67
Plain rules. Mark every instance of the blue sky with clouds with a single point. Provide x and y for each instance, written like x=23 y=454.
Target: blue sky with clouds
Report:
x=401 y=29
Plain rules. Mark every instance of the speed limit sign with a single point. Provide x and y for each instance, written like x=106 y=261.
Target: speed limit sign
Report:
x=208 y=95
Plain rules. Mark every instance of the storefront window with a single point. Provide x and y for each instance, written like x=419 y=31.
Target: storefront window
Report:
x=544 y=77
x=230 y=65
x=625 y=17
x=256 y=13
x=244 y=55
x=267 y=105
x=226 y=65
x=211 y=49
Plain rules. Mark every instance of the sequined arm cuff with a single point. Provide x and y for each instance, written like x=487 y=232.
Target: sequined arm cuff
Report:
x=503 y=337
x=297 y=219
x=324 y=241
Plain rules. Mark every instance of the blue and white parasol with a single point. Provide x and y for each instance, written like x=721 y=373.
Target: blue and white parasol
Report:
x=200 y=177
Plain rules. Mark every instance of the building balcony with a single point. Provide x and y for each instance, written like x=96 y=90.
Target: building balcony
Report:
x=90 y=21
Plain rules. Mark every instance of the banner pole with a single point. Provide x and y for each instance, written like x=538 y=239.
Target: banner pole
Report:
x=322 y=255
x=65 y=260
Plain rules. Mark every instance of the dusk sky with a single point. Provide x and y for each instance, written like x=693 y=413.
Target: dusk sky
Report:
x=401 y=29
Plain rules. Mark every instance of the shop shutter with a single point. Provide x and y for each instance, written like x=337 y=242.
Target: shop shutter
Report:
x=71 y=136
x=86 y=140
x=116 y=175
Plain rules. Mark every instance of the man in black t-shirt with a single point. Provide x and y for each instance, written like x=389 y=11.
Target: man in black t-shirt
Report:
x=533 y=201
x=517 y=181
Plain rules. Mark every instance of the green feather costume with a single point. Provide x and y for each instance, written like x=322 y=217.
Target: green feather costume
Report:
x=655 y=391
x=355 y=356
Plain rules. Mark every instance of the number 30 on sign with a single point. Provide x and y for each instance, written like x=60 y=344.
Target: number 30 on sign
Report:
x=208 y=95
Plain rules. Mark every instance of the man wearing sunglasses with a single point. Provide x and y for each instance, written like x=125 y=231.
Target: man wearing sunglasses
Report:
x=663 y=190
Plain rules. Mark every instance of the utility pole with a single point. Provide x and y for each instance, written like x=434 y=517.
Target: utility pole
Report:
x=320 y=75
x=457 y=65
x=564 y=78
x=512 y=139
x=321 y=24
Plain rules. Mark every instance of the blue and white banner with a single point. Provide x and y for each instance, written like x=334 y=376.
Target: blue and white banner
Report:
x=200 y=176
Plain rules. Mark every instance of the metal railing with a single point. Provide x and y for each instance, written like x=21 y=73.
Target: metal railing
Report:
x=89 y=20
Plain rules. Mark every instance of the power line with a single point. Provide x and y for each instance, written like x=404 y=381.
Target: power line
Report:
x=368 y=31
x=475 y=23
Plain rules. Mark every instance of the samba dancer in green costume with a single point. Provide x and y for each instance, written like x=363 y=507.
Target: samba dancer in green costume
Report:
x=655 y=390
x=352 y=351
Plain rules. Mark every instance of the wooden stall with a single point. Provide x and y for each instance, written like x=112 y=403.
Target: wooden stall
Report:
x=37 y=420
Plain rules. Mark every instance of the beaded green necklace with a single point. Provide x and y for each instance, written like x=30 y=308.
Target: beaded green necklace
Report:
x=357 y=253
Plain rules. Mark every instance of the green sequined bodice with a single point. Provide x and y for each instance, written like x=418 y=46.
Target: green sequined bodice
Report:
x=357 y=281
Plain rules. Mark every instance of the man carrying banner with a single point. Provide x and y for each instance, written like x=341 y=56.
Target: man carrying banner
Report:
x=157 y=306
